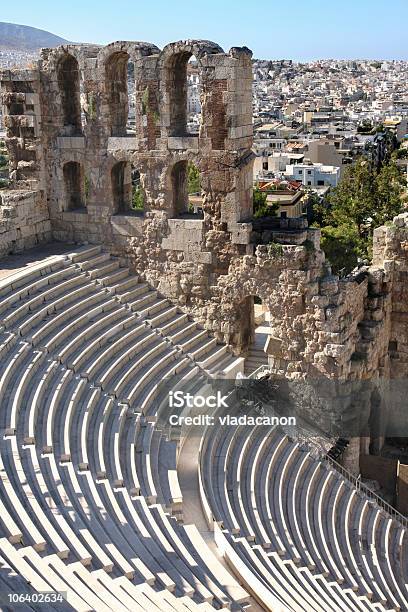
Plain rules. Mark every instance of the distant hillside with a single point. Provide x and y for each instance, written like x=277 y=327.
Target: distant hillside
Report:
x=25 y=38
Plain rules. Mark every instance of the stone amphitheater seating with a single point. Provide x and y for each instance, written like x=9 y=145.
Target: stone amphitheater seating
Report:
x=83 y=349
x=90 y=499
x=306 y=532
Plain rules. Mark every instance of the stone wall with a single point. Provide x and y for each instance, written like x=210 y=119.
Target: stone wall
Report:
x=24 y=221
x=24 y=213
x=390 y=256
x=221 y=151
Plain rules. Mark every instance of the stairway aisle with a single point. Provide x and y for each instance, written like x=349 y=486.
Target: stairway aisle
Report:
x=256 y=355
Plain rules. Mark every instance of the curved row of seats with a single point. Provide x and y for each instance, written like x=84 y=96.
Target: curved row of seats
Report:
x=308 y=536
x=87 y=478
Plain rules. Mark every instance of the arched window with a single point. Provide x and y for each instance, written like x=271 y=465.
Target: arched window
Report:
x=127 y=191
x=186 y=189
x=184 y=87
x=120 y=91
x=69 y=86
x=74 y=184
x=193 y=96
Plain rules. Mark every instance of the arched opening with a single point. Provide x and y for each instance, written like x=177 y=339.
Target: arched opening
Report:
x=75 y=186
x=186 y=190
x=120 y=91
x=254 y=319
x=127 y=191
x=69 y=87
x=193 y=96
x=183 y=78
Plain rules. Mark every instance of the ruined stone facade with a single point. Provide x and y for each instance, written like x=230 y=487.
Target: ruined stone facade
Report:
x=71 y=158
x=24 y=214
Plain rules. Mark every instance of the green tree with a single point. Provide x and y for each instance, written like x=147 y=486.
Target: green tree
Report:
x=389 y=194
x=193 y=179
x=352 y=201
x=364 y=199
x=137 y=198
x=260 y=206
x=343 y=247
x=317 y=208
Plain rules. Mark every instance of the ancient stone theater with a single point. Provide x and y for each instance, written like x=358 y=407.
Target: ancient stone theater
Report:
x=115 y=280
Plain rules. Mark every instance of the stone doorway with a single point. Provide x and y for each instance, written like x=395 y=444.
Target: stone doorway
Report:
x=256 y=333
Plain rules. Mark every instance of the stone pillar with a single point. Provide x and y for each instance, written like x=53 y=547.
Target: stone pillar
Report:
x=351 y=456
x=365 y=445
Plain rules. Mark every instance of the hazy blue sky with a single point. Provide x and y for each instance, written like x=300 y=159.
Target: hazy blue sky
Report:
x=297 y=29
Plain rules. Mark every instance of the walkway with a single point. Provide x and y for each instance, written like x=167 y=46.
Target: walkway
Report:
x=187 y=469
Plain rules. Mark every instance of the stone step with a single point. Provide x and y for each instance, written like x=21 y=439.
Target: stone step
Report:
x=85 y=254
x=93 y=262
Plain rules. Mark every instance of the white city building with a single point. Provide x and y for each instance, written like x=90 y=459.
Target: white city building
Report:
x=193 y=94
x=275 y=162
x=314 y=175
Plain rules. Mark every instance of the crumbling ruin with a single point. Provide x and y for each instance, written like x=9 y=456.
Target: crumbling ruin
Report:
x=72 y=159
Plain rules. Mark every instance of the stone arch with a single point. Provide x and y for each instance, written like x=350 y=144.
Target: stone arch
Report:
x=265 y=277
x=173 y=67
x=117 y=64
x=68 y=78
x=74 y=186
x=183 y=196
x=135 y=50
x=116 y=88
x=199 y=48
x=127 y=190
